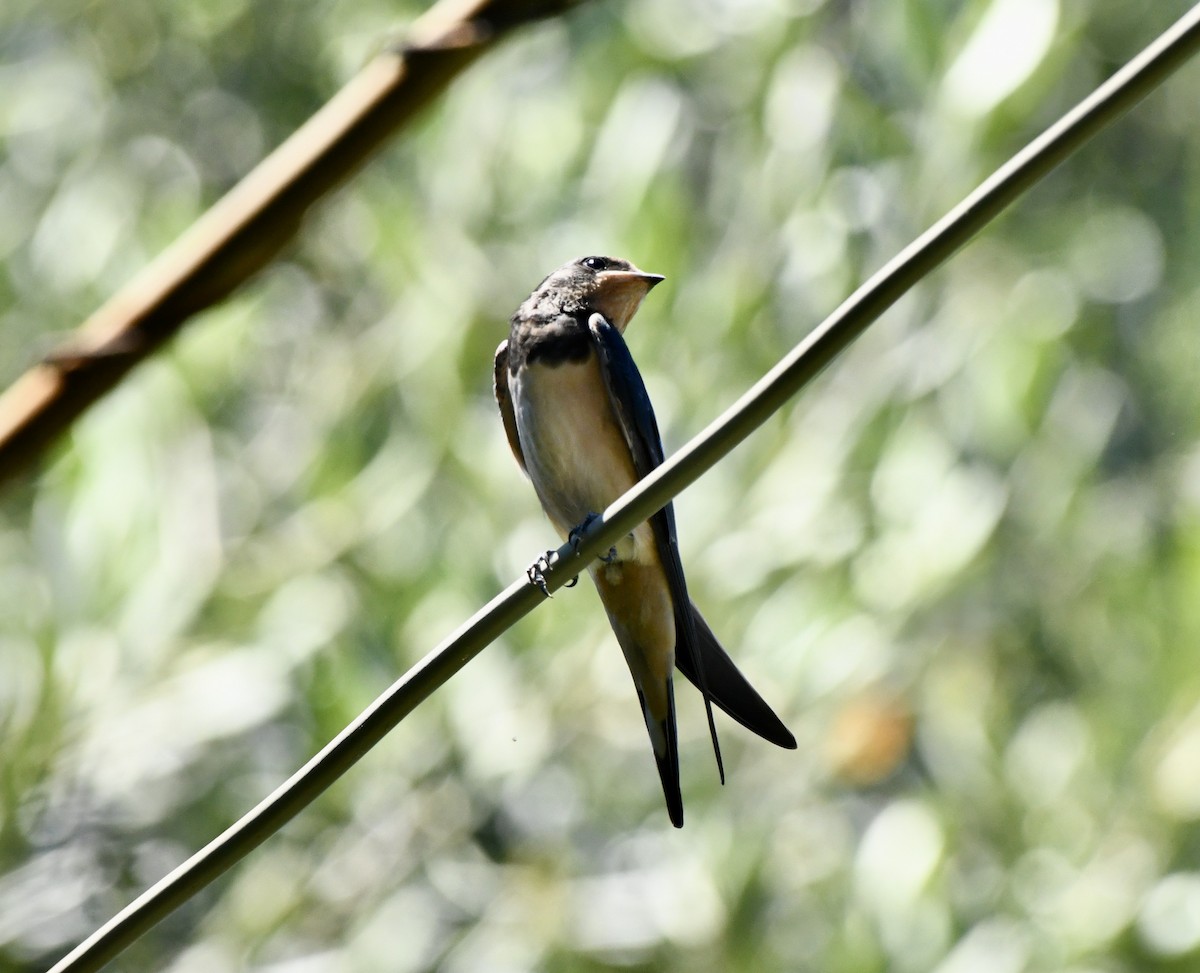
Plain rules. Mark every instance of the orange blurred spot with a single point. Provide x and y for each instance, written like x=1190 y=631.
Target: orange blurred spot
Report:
x=870 y=737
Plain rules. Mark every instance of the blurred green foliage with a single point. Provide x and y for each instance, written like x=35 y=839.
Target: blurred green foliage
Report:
x=966 y=565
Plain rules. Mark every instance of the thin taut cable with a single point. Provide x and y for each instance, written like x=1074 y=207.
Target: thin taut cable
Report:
x=1128 y=86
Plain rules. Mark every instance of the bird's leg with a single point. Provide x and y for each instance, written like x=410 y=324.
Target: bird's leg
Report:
x=575 y=534
x=575 y=537
x=536 y=573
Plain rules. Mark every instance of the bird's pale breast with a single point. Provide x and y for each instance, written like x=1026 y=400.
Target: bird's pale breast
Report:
x=574 y=450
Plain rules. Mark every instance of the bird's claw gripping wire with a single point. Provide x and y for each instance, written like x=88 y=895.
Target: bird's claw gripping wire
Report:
x=575 y=538
x=536 y=573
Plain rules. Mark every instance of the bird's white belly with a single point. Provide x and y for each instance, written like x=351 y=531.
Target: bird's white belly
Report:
x=575 y=452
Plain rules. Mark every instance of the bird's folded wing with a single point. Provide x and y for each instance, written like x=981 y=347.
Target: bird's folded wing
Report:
x=631 y=404
x=504 y=401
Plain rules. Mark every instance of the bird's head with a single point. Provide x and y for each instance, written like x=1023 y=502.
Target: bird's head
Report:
x=609 y=285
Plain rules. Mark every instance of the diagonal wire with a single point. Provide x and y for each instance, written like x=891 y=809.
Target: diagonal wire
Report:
x=244 y=230
x=1129 y=85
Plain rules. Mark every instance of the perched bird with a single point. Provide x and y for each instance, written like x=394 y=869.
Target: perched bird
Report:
x=581 y=426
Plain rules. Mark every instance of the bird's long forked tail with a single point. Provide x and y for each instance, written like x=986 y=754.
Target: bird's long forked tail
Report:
x=728 y=688
x=664 y=739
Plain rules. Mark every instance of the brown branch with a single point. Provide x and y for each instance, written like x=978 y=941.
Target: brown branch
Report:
x=244 y=230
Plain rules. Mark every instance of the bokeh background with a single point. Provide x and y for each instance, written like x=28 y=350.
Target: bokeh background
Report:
x=965 y=565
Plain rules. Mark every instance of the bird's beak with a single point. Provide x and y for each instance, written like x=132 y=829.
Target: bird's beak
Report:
x=620 y=293
x=628 y=278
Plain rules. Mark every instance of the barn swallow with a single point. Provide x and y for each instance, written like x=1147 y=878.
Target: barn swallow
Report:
x=580 y=424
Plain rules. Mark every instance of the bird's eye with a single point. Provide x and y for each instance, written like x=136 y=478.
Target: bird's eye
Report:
x=594 y=263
